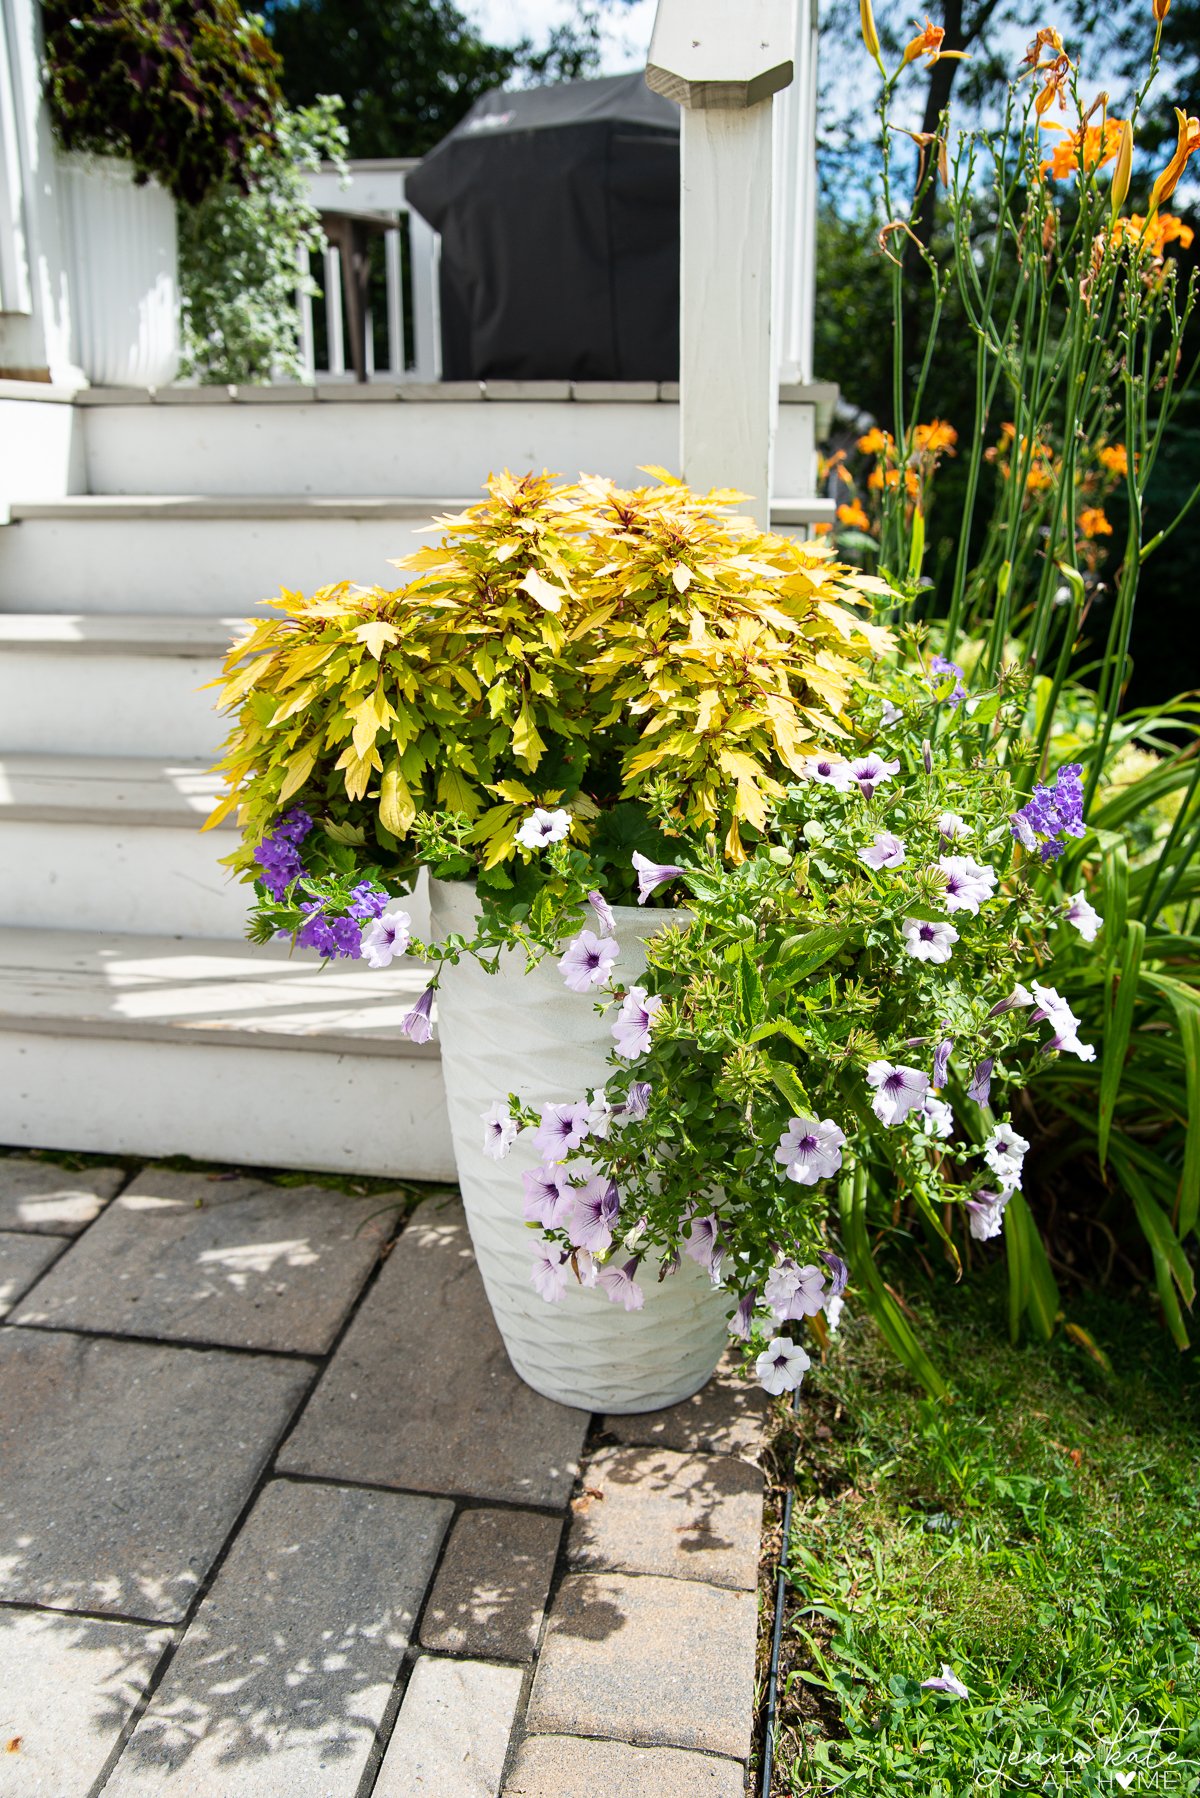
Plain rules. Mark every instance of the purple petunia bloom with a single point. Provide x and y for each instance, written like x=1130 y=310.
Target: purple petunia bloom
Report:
x=946 y=1681
x=810 y=1149
x=941 y=1061
x=829 y=770
x=897 y=1090
x=588 y=961
x=549 y=1276
x=839 y=1272
x=652 y=875
x=594 y=1212
x=781 y=1366
x=416 y=1024
x=943 y=669
x=887 y=851
x=635 y=1021
x=980 y=1088
x=542 y=827
x=928 y=940
x=386 y=935
x=562 y=1128
x=986 y=1213
x=500 y=1131
x=606 y=921
x=1052 y=814
x=703 y=1244
x=792 y=1291
x=621 y=1286
x=549 y=1196
x=1084 y=916
x=871 y=771
x=740 y=1322
x=969 y=884
x=637 y=1100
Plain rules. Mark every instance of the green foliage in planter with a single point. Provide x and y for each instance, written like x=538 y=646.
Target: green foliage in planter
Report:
x=239 y=253
x=184 y=88
x=577 y=647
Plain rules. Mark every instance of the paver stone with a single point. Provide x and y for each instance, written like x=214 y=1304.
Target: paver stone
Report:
x=41 y=1196
x=649 y=1510
x=451 y=1737
x=566 y=1767
x=491 y=1587
x=23 y=1256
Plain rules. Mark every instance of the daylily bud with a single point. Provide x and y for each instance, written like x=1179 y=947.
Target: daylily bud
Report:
x=1121 y=173
x=869 y=33
x=1160 y=9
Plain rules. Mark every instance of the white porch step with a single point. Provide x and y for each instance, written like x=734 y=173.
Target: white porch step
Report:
x=192 y=553
x=152 y=1046
x=114 y=843
x=116 y=684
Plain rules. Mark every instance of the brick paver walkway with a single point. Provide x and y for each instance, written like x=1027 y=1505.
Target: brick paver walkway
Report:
x=277 y=1518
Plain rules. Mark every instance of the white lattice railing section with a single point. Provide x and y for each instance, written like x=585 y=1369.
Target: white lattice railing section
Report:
x=372 y=205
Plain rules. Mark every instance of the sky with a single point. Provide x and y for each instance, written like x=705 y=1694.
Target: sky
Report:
x=626 y=32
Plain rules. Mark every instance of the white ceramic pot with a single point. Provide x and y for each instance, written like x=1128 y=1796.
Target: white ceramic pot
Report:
x=122 y=259
x=526 y=1033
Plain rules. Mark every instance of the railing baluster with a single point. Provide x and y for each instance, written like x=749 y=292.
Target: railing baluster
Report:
x=393 y=274
x=424 y=244
x=334 y=332
x=307 y=338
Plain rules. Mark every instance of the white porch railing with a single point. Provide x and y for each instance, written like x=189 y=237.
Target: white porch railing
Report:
x=370 y=204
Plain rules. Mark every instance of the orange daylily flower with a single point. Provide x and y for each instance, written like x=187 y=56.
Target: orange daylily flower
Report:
x=1093 y=523
x=853 y=516
x=929 y=43
x=1152 y=236
x=936 y=438
x=1187 y=144
x=1115 y=458
x=875 y=442
x=890 y=477
x=1094 y=146
x=1046 y=39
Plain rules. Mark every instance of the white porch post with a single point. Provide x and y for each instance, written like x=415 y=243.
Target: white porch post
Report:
x=722 y=60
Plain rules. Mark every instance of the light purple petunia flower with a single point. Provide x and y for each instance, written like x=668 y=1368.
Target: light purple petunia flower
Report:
x=549 y=1276
x=588 y=961
x=946 y=1681
x=897 y=1090
x=936 y=1119
x=1004 y=1151
x=600 y=1115
x=891 y=714
x=586 y=1267
x=969 y=884
x=500 y=1131
x=1020 y=996
x=1063 y=1023
x=928 y=940
x=839 y=1273
x=635 y=1020
x=810 y=1150
x=542 y=827
x=887 y=851
x=828 y=770
x=562 y=1128
x=980 y=1088
x=986 y=1213
x=871 y=771
x=792 y=1291
x=637 y=1100
x=549 y=1196
x=1084 y=916
x=594 y=1212
x=652 y=875
x=781 y=1366
x=621 y=1286
x=416 y=1023
x=951 y=826
x=703 y=1244
x=386 y=936
x=941 y=1060
x=741 y=1321
x=606 y=921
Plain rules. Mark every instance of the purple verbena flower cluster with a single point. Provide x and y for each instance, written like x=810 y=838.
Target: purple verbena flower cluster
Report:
x=1053 y=814
x=943 y=668
x=329 y=936
x=278 y=855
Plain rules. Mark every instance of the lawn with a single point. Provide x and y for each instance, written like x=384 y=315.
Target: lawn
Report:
x=1040 y=1534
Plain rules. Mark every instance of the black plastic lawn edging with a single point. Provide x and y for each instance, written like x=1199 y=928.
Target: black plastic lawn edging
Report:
x=777 y=1630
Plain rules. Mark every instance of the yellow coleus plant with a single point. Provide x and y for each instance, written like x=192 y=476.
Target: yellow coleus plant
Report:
x=617 y=653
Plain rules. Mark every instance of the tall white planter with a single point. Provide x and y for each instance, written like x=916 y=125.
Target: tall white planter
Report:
x=123 y=267
x=526 y=1033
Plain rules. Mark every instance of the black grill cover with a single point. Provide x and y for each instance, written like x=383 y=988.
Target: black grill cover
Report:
x=558 y=209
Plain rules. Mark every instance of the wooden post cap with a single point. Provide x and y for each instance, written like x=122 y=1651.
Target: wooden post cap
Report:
x=727 y=53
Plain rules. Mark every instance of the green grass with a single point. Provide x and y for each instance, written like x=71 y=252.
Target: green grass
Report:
x=1041 y=1533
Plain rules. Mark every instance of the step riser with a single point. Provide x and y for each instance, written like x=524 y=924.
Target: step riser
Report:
x=434 y=448
x=53 y=703
x=262 y=1107
x=149 y=880
x=208 y=567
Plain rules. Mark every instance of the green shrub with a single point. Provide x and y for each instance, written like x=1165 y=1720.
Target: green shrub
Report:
x=239 y=253
x=184 y=88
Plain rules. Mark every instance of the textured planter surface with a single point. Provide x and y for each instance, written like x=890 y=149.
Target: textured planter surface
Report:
x=123 y=259
x=526 y=1033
